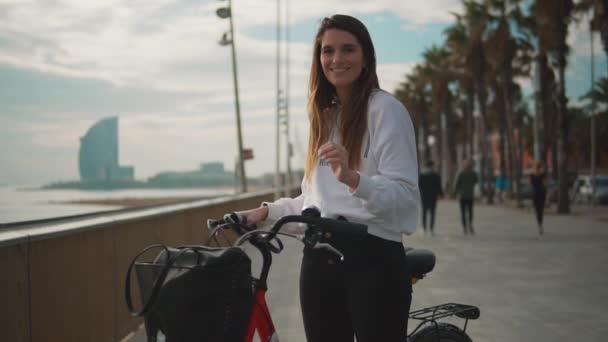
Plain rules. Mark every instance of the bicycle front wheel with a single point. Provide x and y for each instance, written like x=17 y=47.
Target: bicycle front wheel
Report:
x=442 y=332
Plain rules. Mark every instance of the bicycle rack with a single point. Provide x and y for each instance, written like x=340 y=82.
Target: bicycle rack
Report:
x=433 y=313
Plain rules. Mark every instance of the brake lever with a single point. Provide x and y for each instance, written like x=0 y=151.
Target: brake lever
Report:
x=276 y=249
x=323 y=245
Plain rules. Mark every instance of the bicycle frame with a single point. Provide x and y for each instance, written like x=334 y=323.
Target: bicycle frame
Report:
x=260 y=320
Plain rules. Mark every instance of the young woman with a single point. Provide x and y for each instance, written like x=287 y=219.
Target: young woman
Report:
x=538 y=181
x=361 y=166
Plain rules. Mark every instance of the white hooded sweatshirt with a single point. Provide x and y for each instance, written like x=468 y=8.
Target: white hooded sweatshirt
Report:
x=387 y=197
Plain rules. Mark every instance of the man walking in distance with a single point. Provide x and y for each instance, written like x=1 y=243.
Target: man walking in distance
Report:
x=429 y=183
x=464 y=189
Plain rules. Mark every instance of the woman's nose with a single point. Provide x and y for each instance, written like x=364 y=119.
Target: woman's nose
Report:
x=338 y=56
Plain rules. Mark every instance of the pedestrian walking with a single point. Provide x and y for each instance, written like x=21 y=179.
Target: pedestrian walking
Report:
x=429 y=183
x=538 y=182
x=501 y=183
x=464 y=189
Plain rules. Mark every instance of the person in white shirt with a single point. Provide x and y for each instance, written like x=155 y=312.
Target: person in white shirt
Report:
x=361 y=166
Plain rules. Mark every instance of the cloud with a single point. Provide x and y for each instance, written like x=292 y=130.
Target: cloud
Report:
x=413 y=11
x=158 y=66
x=159 y=43
x=391 y=75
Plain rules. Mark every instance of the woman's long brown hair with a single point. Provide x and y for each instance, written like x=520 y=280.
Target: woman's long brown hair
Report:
x=322 y=95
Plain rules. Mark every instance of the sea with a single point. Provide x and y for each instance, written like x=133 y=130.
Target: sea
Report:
x=19 y=204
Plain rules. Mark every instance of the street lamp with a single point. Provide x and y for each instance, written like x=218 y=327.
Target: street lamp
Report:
x=277 y=175
x=228 y=39
x=282 y=107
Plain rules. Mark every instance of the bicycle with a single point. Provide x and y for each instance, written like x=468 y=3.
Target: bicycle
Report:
x=420 y=262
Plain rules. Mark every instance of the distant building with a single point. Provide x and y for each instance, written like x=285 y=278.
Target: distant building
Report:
x=208 y=174
x=212 y=168
x=98 y=155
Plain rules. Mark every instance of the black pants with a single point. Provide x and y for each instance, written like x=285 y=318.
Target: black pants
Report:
x=368 y=295
x=428 y=207
x=466 y=213
x=539 y=207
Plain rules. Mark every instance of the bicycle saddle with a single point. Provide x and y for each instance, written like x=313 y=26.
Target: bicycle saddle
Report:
x=419 y=261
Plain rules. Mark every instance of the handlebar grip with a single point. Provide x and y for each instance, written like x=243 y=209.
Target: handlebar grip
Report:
x=212 y=223
x=342 y=227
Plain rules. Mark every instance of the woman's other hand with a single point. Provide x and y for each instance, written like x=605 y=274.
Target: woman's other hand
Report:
x=337 y=157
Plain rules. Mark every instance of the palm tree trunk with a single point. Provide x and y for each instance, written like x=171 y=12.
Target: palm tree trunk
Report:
x=563 y=205
x=545 y=105
x=483 y=144
x=514 y=164
x=502 y=136
x=424 y=122
x=470 y=122
x=464 y=132
x=451 y=142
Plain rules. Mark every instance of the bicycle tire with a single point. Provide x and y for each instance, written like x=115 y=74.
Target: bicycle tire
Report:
x=447 y=333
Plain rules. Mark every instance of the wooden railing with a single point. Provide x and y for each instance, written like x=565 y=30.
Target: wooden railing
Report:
x=65 y=281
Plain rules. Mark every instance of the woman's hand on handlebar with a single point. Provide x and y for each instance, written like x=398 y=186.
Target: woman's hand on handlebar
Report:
x=255 y=216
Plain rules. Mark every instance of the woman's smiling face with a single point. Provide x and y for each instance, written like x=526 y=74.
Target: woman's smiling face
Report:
x=341 y=58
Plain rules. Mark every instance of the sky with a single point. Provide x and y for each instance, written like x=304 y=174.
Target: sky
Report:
x=157 y=65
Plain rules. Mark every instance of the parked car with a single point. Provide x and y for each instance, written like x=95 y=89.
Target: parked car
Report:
x=583 y=190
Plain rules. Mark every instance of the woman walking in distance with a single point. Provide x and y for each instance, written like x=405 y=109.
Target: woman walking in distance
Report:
x=465 y=189
x=429 y=183
x=538 y=182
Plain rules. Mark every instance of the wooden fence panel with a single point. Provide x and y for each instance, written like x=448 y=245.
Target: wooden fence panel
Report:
x=14 y=293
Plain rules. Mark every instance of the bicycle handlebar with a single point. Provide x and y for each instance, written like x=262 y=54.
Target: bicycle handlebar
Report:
x=317 y=226
x=323 y=223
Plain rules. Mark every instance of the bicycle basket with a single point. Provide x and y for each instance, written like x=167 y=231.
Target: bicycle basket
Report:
x=194 y=293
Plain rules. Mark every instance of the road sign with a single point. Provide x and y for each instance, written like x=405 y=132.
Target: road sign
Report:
x=247 y=154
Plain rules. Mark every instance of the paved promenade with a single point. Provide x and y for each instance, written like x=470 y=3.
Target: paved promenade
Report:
x=528 y=287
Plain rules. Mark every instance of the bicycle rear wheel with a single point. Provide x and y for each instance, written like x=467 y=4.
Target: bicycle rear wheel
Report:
x=442 y=332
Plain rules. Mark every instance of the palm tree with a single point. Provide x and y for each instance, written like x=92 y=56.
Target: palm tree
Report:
x=599 y=21
x=510 y=56
x=439 y=76
x=475 y=20
x=546 y=104
x=600 y=95
x=553 y=18
x=414 y=95
x=599 y=92
x=457 y=43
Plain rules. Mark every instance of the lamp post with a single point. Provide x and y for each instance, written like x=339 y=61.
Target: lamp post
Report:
x=226 y=13
x=282 y=185
x=277 y=175
x=288 y=146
